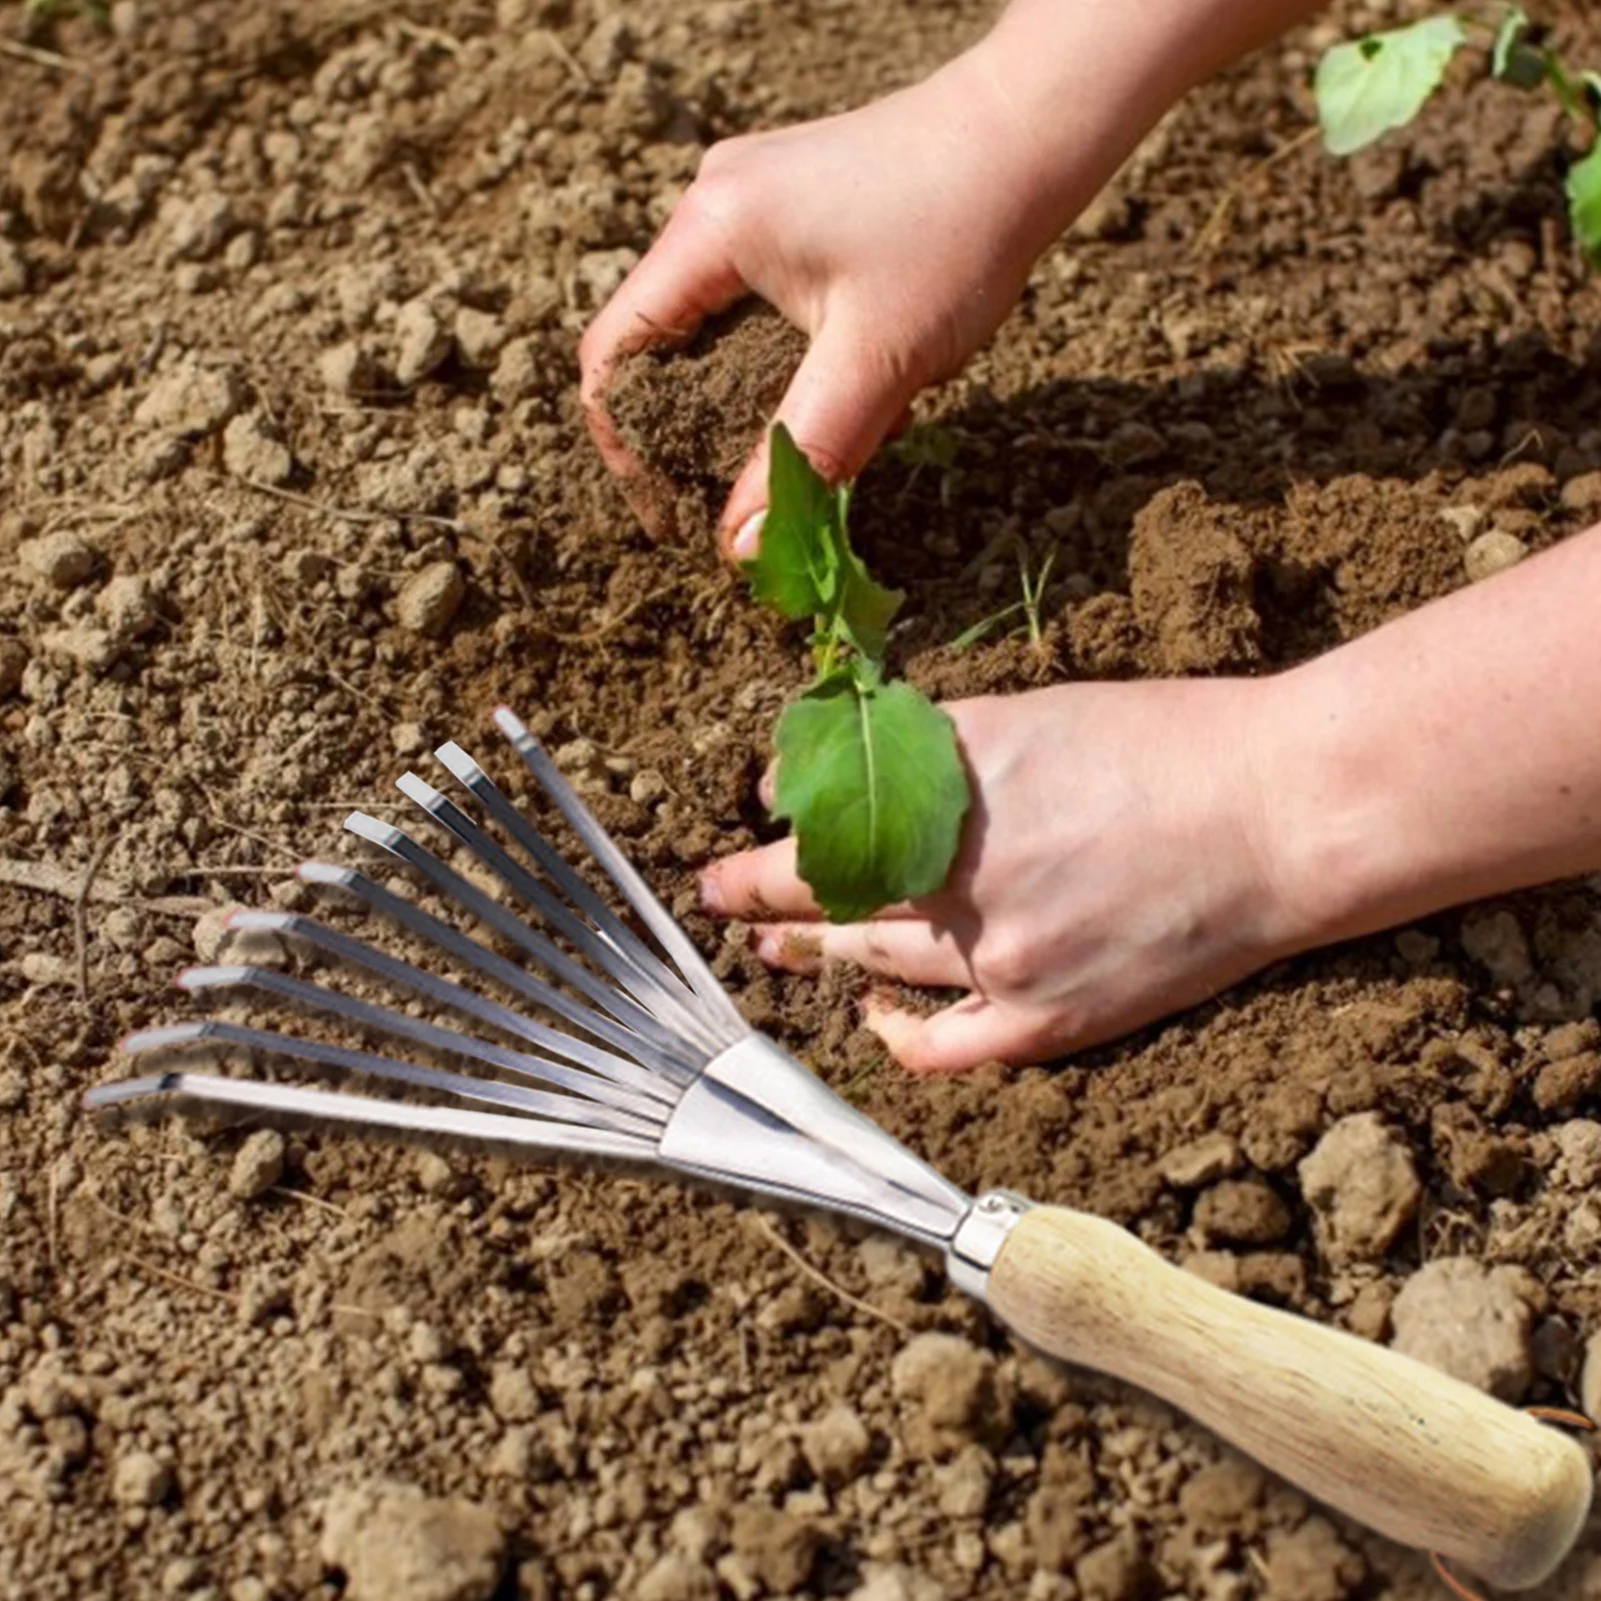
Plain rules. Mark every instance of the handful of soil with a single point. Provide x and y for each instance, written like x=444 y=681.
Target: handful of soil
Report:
x=693 y=413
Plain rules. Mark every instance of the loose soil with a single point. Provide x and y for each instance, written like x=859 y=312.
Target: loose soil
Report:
x=296 y=486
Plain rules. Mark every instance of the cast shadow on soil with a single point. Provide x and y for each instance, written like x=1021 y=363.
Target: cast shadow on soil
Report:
x=1069 y=463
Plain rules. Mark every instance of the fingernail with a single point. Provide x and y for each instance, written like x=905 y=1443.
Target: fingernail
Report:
x=748 y=538
x=711 y=895
x=768 y=949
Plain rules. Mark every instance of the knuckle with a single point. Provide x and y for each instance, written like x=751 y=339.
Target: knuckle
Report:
x=1006 y=964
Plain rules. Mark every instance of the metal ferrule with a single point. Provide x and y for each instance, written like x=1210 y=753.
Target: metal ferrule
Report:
x=979 y=1238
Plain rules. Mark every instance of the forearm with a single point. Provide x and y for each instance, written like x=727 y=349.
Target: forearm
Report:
x=1453 y=754
x=1082 y=83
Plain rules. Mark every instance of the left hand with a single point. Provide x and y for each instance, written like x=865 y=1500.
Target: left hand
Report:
x=1116 y=866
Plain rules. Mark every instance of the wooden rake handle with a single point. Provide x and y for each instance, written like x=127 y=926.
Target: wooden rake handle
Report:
x=1406 y=1450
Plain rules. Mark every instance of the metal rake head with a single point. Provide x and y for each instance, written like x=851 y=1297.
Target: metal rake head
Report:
x=644 y=1057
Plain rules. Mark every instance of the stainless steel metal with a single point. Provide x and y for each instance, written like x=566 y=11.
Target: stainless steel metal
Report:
x=758 y=1118
x=320 y=1109
x=659 y=1066
x=978 y=1240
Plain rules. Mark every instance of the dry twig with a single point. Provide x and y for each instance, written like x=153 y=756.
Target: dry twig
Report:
x=819 y=1277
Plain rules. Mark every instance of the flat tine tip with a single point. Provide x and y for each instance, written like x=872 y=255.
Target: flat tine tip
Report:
x=459 y=763
x=419 y=790
x=155 y=1039
x=510 y=724
x=324 y=873
x=201 y=978
x=370 y=829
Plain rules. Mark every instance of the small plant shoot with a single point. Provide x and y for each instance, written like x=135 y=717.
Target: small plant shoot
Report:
x=1368 y=86
x=869 y=774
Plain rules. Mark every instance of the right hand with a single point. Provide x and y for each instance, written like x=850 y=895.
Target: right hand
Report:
x=897 y=237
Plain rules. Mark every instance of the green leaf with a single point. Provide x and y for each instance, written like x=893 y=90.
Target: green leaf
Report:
x=1584 y=201
x=871 y=779
x=866 y=607
x=806 y=566
x=796 y=570
x=1368 y=86
x=985 y=626
x=1513 y=26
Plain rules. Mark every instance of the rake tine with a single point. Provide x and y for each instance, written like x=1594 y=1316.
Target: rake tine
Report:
x=550 y=861
x=517 y=979
x=494 y=1092
x=656 y=917
x=665 y=1001
x=457 y=996
x=557 y=963
x=320 y=1107
x=414 y=1028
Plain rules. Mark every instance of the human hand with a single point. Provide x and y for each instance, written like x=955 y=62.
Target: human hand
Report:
x=897 y=236
x=1117 y=866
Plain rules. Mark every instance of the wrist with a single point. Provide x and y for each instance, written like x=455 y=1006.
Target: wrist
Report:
x=1337 y=838
x=1080 y=84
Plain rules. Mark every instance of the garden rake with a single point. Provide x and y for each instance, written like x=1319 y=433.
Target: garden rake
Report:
x=655 y=1065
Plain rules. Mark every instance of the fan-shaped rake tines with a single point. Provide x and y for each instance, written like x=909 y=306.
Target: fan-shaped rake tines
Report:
x=635 y=1029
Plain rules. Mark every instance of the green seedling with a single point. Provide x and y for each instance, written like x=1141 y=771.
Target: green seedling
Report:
x=1368 y=86
x=926 y=447
x=1033 y=586
x=869 y=774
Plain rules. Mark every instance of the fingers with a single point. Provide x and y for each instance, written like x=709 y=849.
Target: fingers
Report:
x=686 y=277
x=962 y=1037
x=760 y=885
x=840 y=404
x=914 y=951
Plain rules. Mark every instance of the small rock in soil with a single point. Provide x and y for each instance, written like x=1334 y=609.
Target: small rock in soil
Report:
x=140 y=1480
x=1470 y=1321
x=1223 y=1496
x=1201 y=1162
x=1241 y=1212
x=950 y=1380
x=1590 y=1378
x=779 y=1549
x=13 y=271
x=199 y=228
x=347 y=369
x=258 y=1165
x=676 y=1577
x=1492 y=553
x=251 y=450
x=1562 y=1086
x=965 y=1484
x=896 y=1582
x=1312 y=1563
x=1583 y=493
x=1113 y=1571
x=512 y=1393
x=479 y=336
x=89 y=647
x=13 y=664
x=190 y=400
x=62 y=560
x=422 y=342
x=1579 y=1142
x=1362 y=1186
x=127 y=607
x=393 y=1543
x=836 y=1446
x=430 y=599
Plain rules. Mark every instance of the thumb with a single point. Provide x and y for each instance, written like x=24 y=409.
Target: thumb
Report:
x=960 y=1038
x=845 y=397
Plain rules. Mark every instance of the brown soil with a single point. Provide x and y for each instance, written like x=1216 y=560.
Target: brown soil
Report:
x=233 y=246
x=691 y=415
